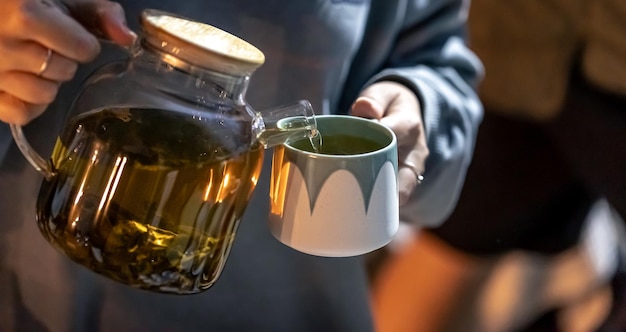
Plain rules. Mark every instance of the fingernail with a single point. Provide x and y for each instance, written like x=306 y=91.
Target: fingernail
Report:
x=134 y=35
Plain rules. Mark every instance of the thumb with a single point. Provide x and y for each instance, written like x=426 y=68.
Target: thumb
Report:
x=367 y=107
x=105 y=19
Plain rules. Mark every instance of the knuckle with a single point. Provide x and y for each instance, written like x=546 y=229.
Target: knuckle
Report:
x=414 y=130
x=86 y=48
x=113 y=6
x=22 y=19
x=47 y=94
x=25 y=16
x=67 y=72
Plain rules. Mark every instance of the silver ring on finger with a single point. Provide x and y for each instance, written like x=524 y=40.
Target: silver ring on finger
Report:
x=45 y=63
x=419 y=176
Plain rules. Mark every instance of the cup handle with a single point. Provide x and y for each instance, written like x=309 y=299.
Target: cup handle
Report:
x=40 y=164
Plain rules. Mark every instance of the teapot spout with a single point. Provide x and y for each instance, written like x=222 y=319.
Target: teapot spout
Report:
x=285 y=123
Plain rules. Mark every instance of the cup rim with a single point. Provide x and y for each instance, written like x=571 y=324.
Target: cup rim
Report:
x=382 y=128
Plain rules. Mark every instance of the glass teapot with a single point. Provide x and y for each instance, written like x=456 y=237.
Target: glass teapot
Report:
x=152 y=172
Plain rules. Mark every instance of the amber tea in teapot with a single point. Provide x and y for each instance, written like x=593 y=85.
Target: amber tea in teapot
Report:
x=158 y=203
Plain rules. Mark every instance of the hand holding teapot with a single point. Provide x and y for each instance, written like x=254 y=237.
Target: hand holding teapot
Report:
x=42 y=45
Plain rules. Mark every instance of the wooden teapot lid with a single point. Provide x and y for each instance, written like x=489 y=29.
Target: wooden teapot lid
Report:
x=199 y=44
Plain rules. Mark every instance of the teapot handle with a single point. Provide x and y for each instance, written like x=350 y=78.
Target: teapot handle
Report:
x=29 y=153
x=40 y=164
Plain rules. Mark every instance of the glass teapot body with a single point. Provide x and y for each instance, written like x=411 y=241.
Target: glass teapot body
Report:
x=153 y=170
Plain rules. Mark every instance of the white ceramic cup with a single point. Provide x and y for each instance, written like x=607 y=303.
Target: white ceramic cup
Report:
x=336 y=205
